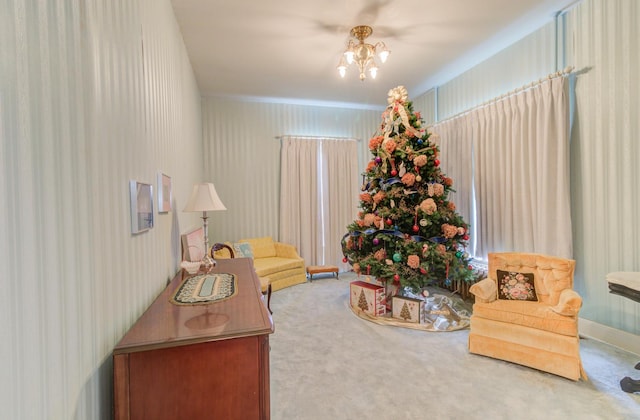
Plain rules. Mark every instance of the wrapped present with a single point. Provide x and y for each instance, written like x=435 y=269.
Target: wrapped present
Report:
x=368 y=298
x=407 y=309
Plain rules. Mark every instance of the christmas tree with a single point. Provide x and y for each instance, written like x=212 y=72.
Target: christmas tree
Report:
x=407 y=231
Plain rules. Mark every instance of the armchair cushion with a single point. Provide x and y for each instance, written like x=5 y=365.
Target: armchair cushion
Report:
x=526 y=314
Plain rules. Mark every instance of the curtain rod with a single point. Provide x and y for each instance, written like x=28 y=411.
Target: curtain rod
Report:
x=316 y=137
x=566 y=71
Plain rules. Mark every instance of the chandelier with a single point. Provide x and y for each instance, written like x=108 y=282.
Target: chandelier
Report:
x=363 y=54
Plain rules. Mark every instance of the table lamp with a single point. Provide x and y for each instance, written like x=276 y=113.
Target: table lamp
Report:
x=204 y=198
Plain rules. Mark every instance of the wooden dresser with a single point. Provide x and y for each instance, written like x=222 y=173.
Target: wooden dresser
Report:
x=192 y=362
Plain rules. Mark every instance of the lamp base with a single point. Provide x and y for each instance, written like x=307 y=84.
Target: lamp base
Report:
x=208 y=263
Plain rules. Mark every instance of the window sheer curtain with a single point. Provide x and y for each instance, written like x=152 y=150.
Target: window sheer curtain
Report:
x=520 y=170
x=456 y=155
x=318 y=196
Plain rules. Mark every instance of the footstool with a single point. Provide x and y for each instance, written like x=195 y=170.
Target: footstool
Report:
x=319 y=269
x=626 y=284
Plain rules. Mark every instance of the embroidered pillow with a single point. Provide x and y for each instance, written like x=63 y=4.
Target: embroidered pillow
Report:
x=516 y=286
x=243 y=250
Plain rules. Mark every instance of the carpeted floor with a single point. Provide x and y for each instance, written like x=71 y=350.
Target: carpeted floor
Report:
x=327 y=363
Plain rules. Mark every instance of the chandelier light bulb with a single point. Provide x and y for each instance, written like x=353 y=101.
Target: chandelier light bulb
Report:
x=362 y=54
x=383 y=51
x=373 y=70
x=342 y=67
x=349 y=53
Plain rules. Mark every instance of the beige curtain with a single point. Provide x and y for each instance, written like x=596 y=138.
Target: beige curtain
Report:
x=318 y=196
x=339 y=195
x=519 y=195
x=456 y=157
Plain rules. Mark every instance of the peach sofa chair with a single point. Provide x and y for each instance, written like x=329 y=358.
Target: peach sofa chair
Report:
x=542 y=333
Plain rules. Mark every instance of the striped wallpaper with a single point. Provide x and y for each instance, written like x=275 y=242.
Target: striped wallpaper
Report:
x=242 y=155
x=602 y=44
x=92 y=94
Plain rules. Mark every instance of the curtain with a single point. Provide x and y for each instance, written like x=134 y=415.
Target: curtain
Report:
x=519 y=192
x=299 y=197
x=318 y=196
x=340 y=195
x=456 y=151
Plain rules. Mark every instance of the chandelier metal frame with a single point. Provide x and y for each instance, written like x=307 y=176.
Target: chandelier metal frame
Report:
x=363 y=54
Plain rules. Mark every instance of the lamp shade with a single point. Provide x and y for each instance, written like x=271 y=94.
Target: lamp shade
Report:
x=204 y=198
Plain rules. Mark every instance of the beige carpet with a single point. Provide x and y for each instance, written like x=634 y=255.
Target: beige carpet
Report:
x=327 y=363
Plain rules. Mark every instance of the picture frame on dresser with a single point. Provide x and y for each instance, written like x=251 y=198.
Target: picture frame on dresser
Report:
x=193 y=245
x=164 y=193
x=141 y=206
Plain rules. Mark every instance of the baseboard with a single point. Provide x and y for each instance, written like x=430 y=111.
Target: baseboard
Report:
x=618 y=338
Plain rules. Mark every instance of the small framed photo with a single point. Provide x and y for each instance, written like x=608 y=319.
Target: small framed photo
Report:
x=164 y=193
x=141 y=206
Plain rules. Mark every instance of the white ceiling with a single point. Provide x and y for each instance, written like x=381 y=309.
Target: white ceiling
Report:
x=289 y=49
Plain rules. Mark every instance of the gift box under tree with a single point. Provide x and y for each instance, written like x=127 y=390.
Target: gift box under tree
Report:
x=368 y=297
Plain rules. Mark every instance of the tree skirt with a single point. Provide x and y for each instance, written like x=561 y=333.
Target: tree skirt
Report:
x=438 y=312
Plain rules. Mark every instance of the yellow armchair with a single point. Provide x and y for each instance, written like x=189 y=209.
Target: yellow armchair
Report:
x=541 y=332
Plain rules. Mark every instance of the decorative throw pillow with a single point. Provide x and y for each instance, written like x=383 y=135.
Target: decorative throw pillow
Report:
x=243 y=250
x=516 y=286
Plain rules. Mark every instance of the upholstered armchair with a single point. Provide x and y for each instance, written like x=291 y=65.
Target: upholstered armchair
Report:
x=526 y=312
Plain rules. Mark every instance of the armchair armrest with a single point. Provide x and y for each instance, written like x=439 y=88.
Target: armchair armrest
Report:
x=286 y=250
x=569 y=303
x=485 y=290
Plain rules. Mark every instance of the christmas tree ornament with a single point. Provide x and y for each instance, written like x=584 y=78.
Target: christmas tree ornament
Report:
x=378 y=160
x=396 y=278
x=436 y=162
x=397 y=257
x=458 y=254
x=424 y=222
x=376 y=241
x=345 y=260
x=415 y=228
x=418 y=178
x=389 y=222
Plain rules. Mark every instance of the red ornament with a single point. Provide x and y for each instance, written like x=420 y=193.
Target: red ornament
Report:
x=396 y=278
x=416 y=228
x=345 y=260
x=423 y=271
x=465 y=237
x=394 y=172
x=436 y=162
x=389 y=222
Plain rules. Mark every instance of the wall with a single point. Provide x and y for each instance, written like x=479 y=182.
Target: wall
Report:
x=600 y=39
x=92 y=94
x=602 y=43
x=242 y=155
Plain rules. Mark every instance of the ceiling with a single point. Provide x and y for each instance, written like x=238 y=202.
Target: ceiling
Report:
x=289 y=49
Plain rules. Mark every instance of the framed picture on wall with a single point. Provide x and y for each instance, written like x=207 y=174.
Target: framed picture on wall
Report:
x=141 y=206
x=164 y=193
